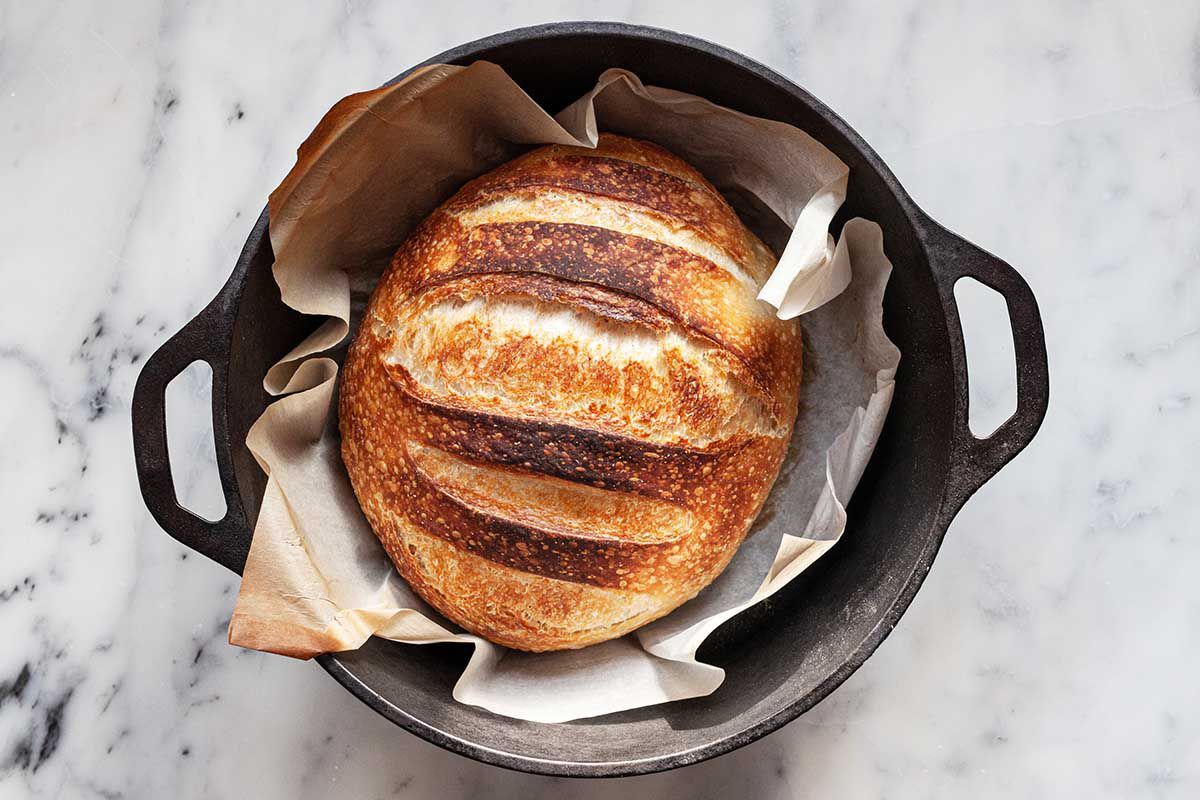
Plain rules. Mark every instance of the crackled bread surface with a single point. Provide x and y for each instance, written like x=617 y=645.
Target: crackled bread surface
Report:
x=565 y=407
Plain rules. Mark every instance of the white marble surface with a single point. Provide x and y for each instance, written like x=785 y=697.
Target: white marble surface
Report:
x=1053 y=651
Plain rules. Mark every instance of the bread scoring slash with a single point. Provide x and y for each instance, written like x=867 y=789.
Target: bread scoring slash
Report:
x=564 y=407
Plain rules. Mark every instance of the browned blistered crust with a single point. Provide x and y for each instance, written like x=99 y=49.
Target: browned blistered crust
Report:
x=562 y=483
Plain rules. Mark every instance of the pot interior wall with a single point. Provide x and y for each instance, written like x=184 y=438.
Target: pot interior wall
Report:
x=789 y=651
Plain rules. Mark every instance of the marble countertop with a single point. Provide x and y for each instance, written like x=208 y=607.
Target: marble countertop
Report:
x=1053 y=650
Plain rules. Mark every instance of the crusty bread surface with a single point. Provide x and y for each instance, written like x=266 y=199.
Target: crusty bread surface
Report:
x=564 y=406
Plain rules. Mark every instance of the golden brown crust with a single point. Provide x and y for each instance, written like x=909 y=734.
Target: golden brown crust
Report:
x=562 y=430
x=689 y=289
x=659 y=192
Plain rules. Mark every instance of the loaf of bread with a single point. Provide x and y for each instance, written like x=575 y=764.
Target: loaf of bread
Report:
x=564 y=406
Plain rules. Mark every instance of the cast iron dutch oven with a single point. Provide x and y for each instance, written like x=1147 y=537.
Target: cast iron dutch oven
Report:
x=790 y=651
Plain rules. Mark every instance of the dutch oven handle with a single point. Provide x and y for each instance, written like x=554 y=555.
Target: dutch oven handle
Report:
x=225 y=540
x=975 y=460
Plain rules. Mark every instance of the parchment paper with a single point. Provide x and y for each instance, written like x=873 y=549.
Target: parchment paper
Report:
x=317 y=579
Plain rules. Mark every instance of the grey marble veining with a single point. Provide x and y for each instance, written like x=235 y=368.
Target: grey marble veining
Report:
x=1053 y=650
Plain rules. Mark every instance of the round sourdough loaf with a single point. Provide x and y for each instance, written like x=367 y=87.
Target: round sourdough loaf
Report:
x=564 y=406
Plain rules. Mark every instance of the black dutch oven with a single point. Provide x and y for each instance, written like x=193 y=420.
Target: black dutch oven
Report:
x=784 y=655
